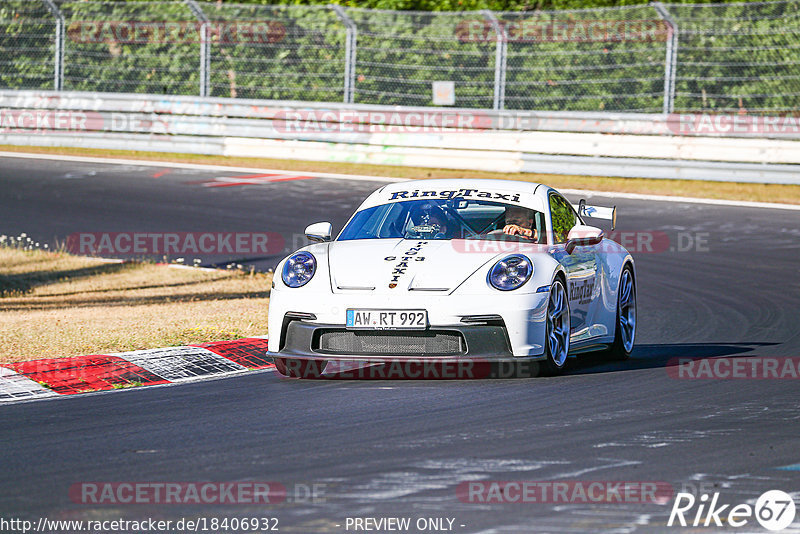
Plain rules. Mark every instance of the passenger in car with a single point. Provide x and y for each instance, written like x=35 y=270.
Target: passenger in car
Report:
x=520 y=221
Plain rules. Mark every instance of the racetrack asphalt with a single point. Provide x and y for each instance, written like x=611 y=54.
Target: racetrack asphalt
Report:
x=401 y=448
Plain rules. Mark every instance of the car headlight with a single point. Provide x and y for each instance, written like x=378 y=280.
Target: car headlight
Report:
x=511 y=272
x=299 y=269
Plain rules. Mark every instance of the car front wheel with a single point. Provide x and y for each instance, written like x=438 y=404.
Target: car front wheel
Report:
x=626 y=318
x=557 y=330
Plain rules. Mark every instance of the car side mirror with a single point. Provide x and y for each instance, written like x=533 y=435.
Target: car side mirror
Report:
x=319 y=232
x=583 y=235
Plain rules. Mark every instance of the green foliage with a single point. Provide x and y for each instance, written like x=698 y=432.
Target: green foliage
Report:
x=300 y=55
x=103 y=53
x=400 y=54
x=740 y=57
x=26 y=45
x=469 y=5
x=731 y=57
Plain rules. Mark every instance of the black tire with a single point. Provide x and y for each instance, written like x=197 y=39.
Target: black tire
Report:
x=624 y=335
x=557 y=331
x=295 y=368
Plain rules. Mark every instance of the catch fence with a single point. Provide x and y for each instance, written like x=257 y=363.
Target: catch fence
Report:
x=655 y=58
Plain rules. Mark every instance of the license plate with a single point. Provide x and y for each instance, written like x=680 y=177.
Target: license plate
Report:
x=387 y=319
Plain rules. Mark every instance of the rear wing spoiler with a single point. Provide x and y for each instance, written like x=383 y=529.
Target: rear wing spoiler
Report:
x=597 y=212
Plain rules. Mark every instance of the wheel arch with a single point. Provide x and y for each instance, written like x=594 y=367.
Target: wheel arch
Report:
x=627 y=262
x=560 y=274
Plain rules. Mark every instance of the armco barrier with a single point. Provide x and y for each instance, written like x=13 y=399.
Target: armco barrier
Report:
x=231 y=108
x=613 y=144
x=146 y=143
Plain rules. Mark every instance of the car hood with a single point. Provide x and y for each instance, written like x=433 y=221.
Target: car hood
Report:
x=391 y=265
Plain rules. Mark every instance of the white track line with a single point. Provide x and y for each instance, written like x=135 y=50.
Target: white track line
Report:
x=227 y=168
x=693 y=200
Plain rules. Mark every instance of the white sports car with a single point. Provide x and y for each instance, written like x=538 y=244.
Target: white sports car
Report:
x=452 y=270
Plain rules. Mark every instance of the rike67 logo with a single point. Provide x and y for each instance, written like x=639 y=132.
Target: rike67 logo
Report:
x=774 y=510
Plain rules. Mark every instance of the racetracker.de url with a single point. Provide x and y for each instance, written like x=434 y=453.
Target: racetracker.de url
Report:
x=183 y=525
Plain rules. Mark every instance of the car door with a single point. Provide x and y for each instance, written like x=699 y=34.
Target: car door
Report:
x=581 y=267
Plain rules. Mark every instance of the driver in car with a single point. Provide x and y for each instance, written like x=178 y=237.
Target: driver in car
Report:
x=429 y=221
x=519 y=221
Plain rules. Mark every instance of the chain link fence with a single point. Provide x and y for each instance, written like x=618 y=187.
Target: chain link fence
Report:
x=27 y=45
x=739 y=57
x=400 y=54
x=104 y=53
x=275 y=52
x=736 y=57
x=594 y=59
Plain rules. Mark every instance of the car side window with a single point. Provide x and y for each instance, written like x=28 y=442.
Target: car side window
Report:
x=540 y=228
x=563 y=217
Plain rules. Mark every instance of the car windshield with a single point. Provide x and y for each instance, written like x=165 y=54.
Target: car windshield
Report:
x=455 y=218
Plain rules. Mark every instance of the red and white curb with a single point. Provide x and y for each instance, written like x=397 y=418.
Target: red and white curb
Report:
x=83 y=374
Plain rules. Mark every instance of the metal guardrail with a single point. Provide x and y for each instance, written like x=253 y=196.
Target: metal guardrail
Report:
x=787 y=127
x=633 y=145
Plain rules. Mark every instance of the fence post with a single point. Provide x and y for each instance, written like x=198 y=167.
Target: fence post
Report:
x=205 y=46
x=671 y=61
x=58 y=69
x=351 y=37
x=499 y=100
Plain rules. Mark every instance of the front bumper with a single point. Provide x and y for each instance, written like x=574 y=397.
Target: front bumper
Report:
x=522 y=317
x=309 y=340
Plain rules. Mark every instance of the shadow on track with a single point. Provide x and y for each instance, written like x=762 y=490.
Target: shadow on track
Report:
x=644 y=357
x=663 y=355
